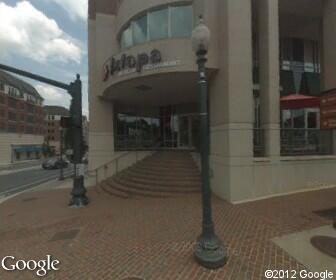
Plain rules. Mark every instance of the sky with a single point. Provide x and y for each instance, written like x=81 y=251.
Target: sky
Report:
x=48 y=38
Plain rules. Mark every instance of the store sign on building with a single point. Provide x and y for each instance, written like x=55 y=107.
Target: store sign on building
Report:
x=127 y=64
x=328 y=110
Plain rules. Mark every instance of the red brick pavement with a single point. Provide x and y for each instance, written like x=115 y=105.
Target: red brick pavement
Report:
x=152 y=238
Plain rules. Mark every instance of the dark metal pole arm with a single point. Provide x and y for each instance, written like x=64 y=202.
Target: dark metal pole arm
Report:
x=34 y=77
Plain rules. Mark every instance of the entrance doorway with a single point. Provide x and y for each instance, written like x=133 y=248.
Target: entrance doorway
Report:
x=180 y=131
x=169 y=130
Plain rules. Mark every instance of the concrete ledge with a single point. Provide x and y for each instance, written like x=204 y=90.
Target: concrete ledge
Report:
x=308 y=158
x=284 y=194
x=261 y=159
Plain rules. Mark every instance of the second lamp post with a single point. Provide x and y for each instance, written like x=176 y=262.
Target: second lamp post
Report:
x=209 y=250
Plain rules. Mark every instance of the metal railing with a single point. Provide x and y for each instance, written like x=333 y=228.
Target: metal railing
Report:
x=114 y=166
x=306 y=142
x=296 y=141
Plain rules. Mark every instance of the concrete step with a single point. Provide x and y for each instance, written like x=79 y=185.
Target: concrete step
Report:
x=155 y=188
x=157 y=181
x=162 y=165
x=114 y=192
x=164 y=175
x=161 y=176
x=190 y=171
x=133 y=192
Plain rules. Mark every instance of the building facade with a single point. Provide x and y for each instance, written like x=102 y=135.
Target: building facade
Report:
x=143 y=87
x=21 y=120
x=53 y=123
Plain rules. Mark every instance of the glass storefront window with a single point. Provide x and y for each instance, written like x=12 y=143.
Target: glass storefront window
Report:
x=286 y=119
x=298 y=118
x=158 y=24
x=139 y=28
x=181 y=21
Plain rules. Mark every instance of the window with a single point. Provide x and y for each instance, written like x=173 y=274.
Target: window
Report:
x=12 y=128
x=2 y=86
x=298 y=50
x=30 y=108
x=12 y=116
x=126 y=38
x=169 y=22
x=12 y=103
x=181 y=21
x=139 y=29
x=158 y=24
x=298 y=118
x=30 y=118
x=2 y=126
x=29 y=129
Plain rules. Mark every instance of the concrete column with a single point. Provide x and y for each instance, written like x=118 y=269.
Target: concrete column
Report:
x=329 y=44
x=231 y=103
x=101 y=134
x=269 y=74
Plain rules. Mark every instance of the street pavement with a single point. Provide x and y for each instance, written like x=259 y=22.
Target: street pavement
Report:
x=153 y=238
x=14 y=181
x=20 y=165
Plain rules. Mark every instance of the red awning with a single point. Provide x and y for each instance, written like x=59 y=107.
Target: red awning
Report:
x=298 y=101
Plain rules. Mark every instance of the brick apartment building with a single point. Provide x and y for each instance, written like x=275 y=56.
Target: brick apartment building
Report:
x=21 y=120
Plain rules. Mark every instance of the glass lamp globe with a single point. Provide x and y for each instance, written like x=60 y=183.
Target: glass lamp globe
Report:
x=200 y=37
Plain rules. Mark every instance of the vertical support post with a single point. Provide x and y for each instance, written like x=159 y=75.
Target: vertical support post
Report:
x=209 y=250
x=61 y=178
x=269 y=73
x=79 y=198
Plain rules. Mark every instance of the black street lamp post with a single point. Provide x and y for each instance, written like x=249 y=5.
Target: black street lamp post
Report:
x=209 y=250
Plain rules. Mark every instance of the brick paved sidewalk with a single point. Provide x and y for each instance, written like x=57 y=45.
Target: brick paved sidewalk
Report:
x=152 y=238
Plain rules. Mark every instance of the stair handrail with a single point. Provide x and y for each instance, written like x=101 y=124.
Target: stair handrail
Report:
x=116 y=160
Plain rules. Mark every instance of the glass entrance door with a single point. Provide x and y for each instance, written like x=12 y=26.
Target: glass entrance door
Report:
x=184 y=132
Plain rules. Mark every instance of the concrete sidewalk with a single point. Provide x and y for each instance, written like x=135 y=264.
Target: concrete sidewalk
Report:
x=115 y=238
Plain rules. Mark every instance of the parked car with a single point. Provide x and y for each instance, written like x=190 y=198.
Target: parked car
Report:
x=54 y=163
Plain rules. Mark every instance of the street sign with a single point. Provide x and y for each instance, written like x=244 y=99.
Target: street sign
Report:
x=80 y=169
x=69 y=152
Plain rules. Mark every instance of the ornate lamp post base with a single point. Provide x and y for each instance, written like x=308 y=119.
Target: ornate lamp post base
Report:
x=210 y=252
x=79 y=201
x=79 y=198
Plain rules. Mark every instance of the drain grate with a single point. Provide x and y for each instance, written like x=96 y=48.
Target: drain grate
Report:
x=329 y=213
x=325 y=244
x=29 y=199
x=65 y=235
